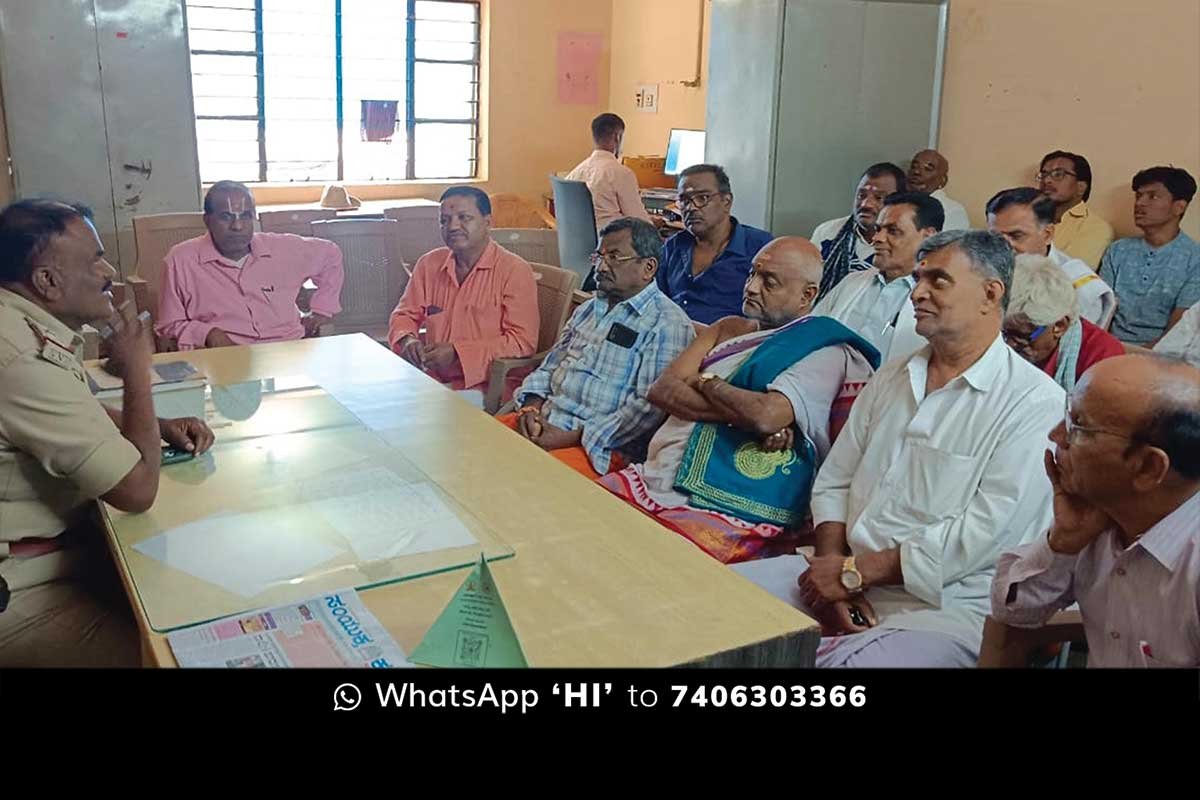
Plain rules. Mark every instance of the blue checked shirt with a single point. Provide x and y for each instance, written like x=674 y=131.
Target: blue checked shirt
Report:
x=590 y=381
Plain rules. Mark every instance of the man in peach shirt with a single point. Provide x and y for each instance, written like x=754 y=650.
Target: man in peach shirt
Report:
x=613 y=185
x=475 y=300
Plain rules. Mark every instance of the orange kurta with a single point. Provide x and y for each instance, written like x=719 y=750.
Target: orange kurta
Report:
x=574 y=457
x=492 y=314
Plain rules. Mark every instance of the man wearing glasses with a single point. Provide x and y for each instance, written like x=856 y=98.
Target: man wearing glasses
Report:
x=706 y=265
x=1125 y=540
x=1044 y=325
x=586 y=404
x=1066 y=178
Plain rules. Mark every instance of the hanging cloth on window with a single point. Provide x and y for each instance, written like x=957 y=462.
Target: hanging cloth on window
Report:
x=379 y=120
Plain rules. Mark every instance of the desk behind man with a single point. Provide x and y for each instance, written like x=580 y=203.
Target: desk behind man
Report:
x=613 y=185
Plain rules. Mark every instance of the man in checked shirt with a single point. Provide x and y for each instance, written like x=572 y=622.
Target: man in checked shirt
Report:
x=586 y=404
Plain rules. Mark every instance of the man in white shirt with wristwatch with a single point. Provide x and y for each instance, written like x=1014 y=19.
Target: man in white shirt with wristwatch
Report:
x=930 y=480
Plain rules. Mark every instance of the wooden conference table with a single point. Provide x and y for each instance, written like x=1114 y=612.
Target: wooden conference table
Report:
x=587 y=580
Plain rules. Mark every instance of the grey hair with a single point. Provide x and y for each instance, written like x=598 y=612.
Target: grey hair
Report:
x=989 y=254
x=646 y=241
x=1042 y=291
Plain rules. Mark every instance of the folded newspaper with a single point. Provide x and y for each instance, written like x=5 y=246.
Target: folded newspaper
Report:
x=334 y=630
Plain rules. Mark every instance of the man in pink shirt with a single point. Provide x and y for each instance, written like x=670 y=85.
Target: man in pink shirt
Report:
x=234 y=286
x=473 y=300
x=613 y=185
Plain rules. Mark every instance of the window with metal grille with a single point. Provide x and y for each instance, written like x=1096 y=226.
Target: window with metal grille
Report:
x=325 y=90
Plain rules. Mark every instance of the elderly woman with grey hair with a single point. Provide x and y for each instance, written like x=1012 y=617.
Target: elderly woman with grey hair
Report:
x=1043 y=325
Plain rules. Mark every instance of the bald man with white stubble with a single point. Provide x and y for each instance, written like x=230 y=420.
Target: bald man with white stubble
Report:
x=754 y=403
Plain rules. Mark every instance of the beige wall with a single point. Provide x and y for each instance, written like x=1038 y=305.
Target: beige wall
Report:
x=1116 y=81
x=655 y=42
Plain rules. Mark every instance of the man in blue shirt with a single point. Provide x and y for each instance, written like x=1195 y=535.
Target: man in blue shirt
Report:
x=587 y=402
x=1156 y=276
x=705 y=266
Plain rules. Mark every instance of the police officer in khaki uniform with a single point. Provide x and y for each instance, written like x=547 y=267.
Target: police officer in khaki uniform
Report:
x=60 y=448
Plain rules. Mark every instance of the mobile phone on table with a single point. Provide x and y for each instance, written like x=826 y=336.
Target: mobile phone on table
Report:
x=175 y=455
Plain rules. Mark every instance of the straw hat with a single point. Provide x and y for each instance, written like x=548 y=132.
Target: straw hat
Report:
x=336 y=197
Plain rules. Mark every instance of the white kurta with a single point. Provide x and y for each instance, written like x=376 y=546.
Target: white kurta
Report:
x=952 y=480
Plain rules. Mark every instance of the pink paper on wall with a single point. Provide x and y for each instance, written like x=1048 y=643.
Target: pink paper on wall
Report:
x=579 y=67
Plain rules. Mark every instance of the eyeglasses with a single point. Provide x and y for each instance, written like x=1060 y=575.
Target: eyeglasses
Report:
x=612 y=259
x=1021 y=343
x=1056 y=174
x=695 y=199
x=1073 y=427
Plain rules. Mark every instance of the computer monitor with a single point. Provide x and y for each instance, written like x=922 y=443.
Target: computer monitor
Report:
x=684 y=148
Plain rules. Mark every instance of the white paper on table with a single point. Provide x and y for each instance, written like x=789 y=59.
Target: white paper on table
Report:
x=374 y=404
x=383 y=517
x=776 y=575
x=243 y=553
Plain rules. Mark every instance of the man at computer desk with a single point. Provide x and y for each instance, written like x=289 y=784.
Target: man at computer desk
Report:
x=613 y=185
x=705 y=266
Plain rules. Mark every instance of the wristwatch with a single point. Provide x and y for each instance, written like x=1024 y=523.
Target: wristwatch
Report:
x=851 y=578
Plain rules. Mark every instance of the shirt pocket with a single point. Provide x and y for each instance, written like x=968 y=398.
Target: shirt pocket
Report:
x=485 y=317
x=937 y=484
x=437 y=326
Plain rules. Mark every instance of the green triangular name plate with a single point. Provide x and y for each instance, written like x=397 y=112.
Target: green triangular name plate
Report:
x=474 y=630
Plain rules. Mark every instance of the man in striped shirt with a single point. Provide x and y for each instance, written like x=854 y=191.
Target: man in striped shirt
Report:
x=586 y=404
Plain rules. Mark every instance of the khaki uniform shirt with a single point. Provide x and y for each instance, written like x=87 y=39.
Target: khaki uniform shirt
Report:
x=59 y=449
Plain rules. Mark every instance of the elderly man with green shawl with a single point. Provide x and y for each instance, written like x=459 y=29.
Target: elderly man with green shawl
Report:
x=755 y=403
